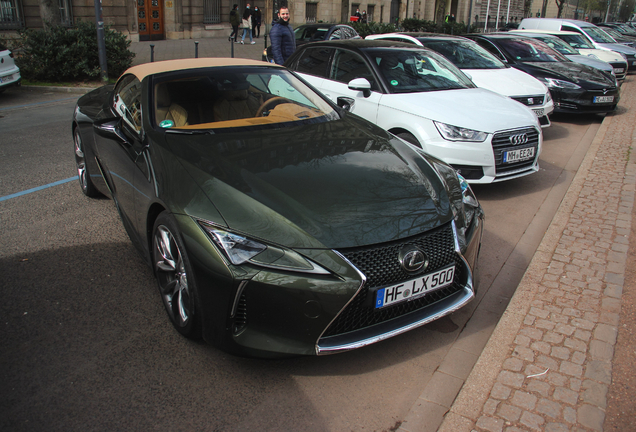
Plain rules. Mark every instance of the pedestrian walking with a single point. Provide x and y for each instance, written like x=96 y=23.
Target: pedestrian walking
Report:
x=282 y=37
x=247 y=24
x=257 y=18
x=235 y=20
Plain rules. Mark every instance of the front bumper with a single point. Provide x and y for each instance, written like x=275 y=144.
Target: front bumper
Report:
x=581 y=101
x=10 y=78
x=272 y=314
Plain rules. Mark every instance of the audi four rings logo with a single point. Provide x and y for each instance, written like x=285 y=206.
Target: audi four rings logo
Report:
x=413 y=260
x=518 y=139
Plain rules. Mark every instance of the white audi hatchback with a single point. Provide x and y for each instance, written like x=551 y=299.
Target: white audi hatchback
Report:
x=484 y=69
x=9 y=72
x=421 y=97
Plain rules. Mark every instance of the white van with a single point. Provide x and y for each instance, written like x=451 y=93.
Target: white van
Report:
x=596 y=36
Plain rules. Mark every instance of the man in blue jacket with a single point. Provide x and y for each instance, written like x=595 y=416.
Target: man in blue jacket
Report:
x=282 y=37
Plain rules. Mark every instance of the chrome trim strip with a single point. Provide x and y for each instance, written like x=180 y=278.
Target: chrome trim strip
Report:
x=364 y=281
x=466 y=296
x=239 y=291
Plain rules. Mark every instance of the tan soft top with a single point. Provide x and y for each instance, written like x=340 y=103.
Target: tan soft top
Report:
x=143 y=70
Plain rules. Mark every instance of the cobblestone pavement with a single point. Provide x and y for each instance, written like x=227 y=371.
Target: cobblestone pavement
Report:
x=548 y=364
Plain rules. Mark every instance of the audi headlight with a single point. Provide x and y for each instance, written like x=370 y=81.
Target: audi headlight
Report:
x=239 y=250
x=456 y=133
x=557 y=83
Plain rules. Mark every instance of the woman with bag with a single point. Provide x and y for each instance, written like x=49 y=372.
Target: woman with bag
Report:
x=247 y=24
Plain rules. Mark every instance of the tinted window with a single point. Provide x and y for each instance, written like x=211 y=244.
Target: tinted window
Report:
x=464 y=54
x=314 y=61
x=530 y=50
x=348 y=65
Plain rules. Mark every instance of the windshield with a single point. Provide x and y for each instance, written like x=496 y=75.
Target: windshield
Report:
x=576 y=41
x=598 y=35
x=557 y=45
x=227 y=97
x=529 y=50
x=412 y=71
x=464 y=54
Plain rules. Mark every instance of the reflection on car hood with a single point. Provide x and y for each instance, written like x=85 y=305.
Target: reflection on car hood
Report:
x=624 y=49
x=603 y=55
x=589 y=61
x=585 y=76
x=474 y=108
x=507 y=81
x=335 y=184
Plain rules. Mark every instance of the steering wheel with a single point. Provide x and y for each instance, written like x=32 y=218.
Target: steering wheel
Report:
x=273 y=101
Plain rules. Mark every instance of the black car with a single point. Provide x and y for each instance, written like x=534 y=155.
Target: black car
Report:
x=575 y=88
x=314 y=33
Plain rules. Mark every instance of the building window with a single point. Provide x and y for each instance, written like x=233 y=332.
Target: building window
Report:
x=212 y=11
x=311 y=12
x=370 y=13
x=11 y=16
x=381 y=13
x=66 y=13
x=354 y=8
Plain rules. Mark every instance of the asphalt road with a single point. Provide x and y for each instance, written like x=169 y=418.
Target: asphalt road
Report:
x=85 y=343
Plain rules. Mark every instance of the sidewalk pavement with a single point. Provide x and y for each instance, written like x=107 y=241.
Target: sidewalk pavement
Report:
x=548 y=364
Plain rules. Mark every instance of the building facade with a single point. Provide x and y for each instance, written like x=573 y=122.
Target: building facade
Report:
x=185 y=19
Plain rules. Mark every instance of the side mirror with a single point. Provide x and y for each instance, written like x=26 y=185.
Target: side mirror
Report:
x=360 y=84
x=346 y=103
x=111 y=129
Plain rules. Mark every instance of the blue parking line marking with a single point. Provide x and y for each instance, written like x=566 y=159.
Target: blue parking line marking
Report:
x=39 y=188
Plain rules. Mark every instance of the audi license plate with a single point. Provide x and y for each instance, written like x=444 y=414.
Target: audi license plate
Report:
x=414 y=288
x=603 y=99
x=538 y=112
x=518 y=155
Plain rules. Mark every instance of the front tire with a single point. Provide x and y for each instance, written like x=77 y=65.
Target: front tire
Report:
x=84 y=176
x=175 y=277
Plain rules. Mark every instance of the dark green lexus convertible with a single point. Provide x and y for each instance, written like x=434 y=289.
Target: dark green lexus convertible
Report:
x=275 y=222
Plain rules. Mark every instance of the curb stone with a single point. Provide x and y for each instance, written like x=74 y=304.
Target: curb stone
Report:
x=547 y=365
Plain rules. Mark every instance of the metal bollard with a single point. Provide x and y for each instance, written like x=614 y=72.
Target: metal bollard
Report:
x=232 y=48
x=196 y=49
x=152 y=53
x=265 y=41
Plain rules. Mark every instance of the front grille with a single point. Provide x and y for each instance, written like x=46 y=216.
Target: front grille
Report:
x=501 y=143
x=380 y=265
x=530 y=100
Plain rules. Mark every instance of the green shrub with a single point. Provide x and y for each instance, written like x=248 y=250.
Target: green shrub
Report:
x=409 y=25
x=365 y=30
x=70 y=54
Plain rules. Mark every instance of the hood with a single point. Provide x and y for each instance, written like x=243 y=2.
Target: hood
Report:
x=589 y=61
x=604 y=55
x=474 y=108
x=587 y=77
x=337 y=184
x=623 y=49
x=509 y=82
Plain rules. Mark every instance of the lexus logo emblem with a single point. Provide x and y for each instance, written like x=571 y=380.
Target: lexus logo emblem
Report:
x=518 y=139
x=412 y=259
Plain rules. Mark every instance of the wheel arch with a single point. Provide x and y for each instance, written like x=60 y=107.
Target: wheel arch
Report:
x=153 y=213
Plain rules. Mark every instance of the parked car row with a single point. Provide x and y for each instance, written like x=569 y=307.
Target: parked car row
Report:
x=325 y=205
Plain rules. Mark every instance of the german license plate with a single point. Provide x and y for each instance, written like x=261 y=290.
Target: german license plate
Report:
x=518 y=155
x=603 y=99
x=619 y=70
x=538 y=112
x=414 y=288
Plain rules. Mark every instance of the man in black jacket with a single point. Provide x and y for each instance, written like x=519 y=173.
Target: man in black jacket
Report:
x=282 y=37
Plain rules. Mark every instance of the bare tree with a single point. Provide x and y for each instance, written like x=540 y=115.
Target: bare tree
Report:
x=560 y=4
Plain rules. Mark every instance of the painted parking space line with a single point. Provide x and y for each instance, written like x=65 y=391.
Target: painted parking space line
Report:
x=35 y=189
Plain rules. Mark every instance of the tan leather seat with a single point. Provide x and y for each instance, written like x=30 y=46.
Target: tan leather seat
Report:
x=166 y=110
x=235 y=103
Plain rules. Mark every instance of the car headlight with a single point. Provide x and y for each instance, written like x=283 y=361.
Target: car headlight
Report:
x=456 y=133
x=548 y=97
x=557 y=83
x=240 y=250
